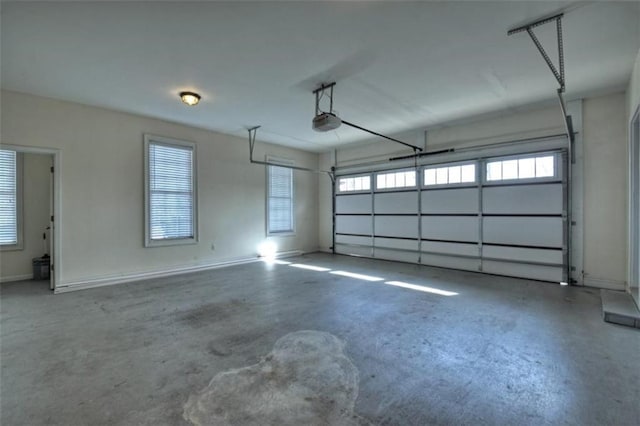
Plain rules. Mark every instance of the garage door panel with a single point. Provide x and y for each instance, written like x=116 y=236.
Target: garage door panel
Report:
x=521 y=270
x=395 y=243
x=450 y=262
x=400 y=256
x=450 y=248
x=397 y=226
x=525 y=231
x=396 y=202
x=361 y=225
x=357 y=203
x=459 y=200
x=353 y=239
x=354 y=250
x=523 y=254
x=523 y=199
x=452 y=228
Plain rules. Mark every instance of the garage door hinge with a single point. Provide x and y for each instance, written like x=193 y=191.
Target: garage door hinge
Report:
x=51 y=169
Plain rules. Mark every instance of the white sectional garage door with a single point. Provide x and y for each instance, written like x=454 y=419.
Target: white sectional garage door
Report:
x=502 y=215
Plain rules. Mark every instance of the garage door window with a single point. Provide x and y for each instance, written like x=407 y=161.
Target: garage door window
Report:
x=537 y=167
x=402 y=179
x=450 y=175
x=353 y=184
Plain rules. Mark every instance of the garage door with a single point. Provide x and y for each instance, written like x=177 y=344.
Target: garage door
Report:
x=500 y=215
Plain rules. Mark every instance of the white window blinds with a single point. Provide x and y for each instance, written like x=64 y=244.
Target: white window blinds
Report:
x=8 y=198
x=280 y=200
x=170 y=191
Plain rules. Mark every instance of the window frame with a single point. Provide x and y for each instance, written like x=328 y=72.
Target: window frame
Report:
x=276 y=162
x=19 y=177
x=169 y=142
x=557 y=169
x=374 y=185
x=355 y=191
x=423 y=183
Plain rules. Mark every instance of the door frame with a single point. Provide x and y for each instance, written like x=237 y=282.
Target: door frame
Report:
x=56 y=255
x=634 y=206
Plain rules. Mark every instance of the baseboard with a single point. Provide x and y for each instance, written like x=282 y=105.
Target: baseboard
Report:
x=604 y=283
x=13 y=278
x=127 y=278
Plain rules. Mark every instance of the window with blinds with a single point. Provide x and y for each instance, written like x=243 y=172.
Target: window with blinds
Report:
x=279 y=200
x=171 y=200
x=9 y=200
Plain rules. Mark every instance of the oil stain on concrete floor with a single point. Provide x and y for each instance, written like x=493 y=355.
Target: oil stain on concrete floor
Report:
x=305 y=380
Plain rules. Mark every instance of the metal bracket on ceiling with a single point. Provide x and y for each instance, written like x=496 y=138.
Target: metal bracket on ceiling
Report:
x=320 y=92
x=557 y=72
x=252 y=142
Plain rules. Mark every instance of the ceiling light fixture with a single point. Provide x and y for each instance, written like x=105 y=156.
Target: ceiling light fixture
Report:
x=190 y=98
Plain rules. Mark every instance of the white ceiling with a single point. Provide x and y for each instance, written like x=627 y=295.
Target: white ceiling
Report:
x=398 y=65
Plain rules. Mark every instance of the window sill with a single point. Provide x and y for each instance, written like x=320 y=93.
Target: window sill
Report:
x=13 y=247
x=281 y=234
x=170 y=242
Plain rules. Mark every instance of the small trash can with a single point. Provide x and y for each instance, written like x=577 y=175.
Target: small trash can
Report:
x=41 y=268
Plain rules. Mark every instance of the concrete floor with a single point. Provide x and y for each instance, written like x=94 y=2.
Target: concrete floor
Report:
x=502 y=351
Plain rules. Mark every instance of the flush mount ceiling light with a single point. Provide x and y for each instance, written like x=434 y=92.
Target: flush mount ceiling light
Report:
x=190 y=98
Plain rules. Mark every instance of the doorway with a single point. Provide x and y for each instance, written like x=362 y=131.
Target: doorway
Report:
x=37 y=191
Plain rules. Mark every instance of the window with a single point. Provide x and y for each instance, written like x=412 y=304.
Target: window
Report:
x=10 y=200
x=522 y=168
x=358 y=183
x=448 y=175
x=279 y=200
x=170 y=207
x=390 y=180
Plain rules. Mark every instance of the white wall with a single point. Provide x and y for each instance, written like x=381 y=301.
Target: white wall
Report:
x=325 y=199
x=16 y=264
x=101 y=171
x=606 y=193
